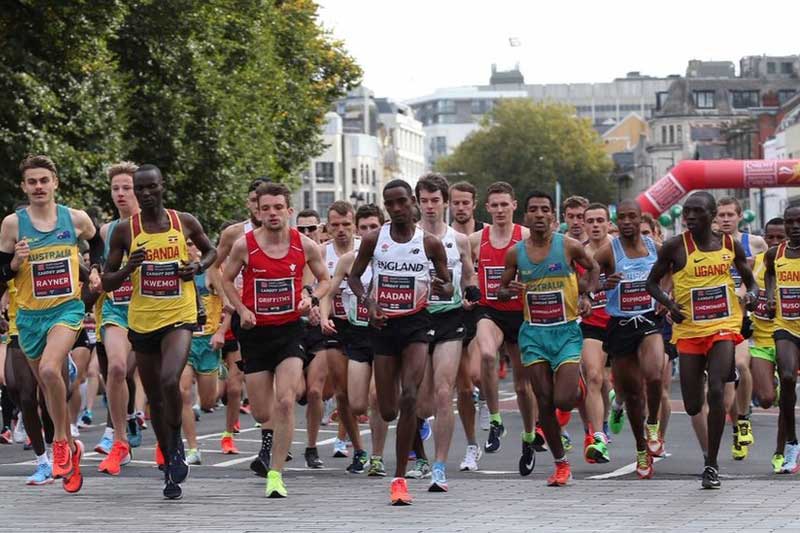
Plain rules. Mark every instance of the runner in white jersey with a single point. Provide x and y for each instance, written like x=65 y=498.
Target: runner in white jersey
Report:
x=399 y=254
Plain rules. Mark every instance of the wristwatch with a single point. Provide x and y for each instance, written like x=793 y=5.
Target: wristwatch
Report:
x=314 y=301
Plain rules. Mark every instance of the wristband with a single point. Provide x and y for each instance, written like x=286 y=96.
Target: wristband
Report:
x=472 y=293
x=314 y=301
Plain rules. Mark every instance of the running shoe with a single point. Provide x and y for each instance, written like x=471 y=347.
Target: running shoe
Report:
x=74 y=431
x=172 y=491
x=140 y=419
x=20 y=435
x=398 y=492
x=104 y=446
x=312 y=458
x=745 y=431
x=502 y=369
x=777 y=463
x=563 y=417
x=193 y=457
x=161 y=462
x=566 y=441
x=655 y=446
x=738 y=451
x=561 y=476
x=134 y=433
x=425 y=430
x=340 y=448
x=790 y=453
x=539 y=442
x=606 y=431
x=710 y=478
x=178 y=468
x=275 y=486
x=644 y=464
x=244 y=408
x=496 y=432
x=43 y=475
x=359 y=464
x=6 y=437
x=62 y=459
x=329 y=406
x=438 y=478
x=228 y=446
x=363 y=419
x=74 y=481
x=260 y=465
x=237 y=427
x=471 y=458
x=376 y=467
x=616 y=418
x=420 y=470
x=595 y=448
x=527 y=460
x=120 y=455
x=86 y=419
x=28 y=445
x=483 y=415
x=196 y=410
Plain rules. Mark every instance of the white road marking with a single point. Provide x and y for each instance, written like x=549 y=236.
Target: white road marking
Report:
x=627 y=469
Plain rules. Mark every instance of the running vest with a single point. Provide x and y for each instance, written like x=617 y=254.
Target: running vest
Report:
x=745 y=242
x=787 y=289
x=358 y=314
x=238 y=282
x=437 y=304
x=49 y=275
x=122 y=295
x=630 y=297
x=705 y=289
x=212 y=304
x=400 y=273
x=273 y=286
x=160 y=298
x=331 y=260
x=551 y=287
x=763 y=325
x=491 y=265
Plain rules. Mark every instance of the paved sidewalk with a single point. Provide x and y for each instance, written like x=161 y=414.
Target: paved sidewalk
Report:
x=359 y=504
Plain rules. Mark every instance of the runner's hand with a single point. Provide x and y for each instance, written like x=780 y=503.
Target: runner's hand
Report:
x=516 y=286
x=135 y=260
x=328 y=327
x=314 y=315
x=21 y=253
x=188 y=271
x=95 y=283
x=612 y=281
x=377 y=318
x=247 y=319
x=218 y=340
x=584 y=306
x=305 y=304
x=440 y=288
x=675 y=311
x=772 y=307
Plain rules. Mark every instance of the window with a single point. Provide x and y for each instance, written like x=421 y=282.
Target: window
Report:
x=679 y=134
x=355 y=178
x=324 y=200
x=703 y=99
x=374 y=178
x=440 y=145
x=477 y=107
x=324 y=171
x=663 y=135
x=361 y=174
x=446 y=106
x=745 y=99
x=306 y=199
x=784 y=95
x=770 y=68
x=786 y=67
x=671 y=134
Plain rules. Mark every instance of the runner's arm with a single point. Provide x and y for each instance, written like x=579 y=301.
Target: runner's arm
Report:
x=87 y=231
x=236 y=260
x=360 y=264
x=113 y=275
x=576 y=253
x=663 y=267
x=605 y=260
x=468 y=277
x=748 y=280
x=509 y=286
x=339 y=275
x=769 y=279
x=317 y=267
x=194 y=231
x=8 y=242
x=441 y=285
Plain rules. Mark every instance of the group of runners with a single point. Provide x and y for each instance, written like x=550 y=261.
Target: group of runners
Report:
x=393 y=319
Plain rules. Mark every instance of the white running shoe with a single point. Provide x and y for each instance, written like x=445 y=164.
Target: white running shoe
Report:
x=471 y=458
x=20 y=435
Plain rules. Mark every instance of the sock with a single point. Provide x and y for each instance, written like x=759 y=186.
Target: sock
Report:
x=109 y=432
x=192 y=450
x=495 y=417
x=266 y=441
x=43 y=459
x=528 y=437
x=226 y=434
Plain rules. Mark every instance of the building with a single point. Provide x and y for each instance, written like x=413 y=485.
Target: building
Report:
x=785 y=144
x=402 y=140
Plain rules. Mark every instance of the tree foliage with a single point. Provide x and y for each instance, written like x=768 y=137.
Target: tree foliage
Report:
x=214 y=93
x=530 y=145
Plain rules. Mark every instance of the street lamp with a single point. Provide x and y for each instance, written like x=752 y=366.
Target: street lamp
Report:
x=357 y=199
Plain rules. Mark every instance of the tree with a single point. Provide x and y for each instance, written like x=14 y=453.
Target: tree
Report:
x=530 y=145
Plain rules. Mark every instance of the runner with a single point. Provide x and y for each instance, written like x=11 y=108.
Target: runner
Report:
x=272 y=258
x=634 y=341
x=573 y=209
x=163 y=309
x=399 y=255
x=499 y=321
x=550 y=334
x=706 y=314
x=44 y=264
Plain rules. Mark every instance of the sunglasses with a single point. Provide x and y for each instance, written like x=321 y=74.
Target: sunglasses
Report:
x=307 y=229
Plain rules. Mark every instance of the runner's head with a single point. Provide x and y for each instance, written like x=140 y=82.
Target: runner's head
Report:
x=613 y=230
x=121 y=177
x=340 y=222
x=148 y=185
x=791 y=221
x=274 y=206
x=775 y=232
x=573 y=208
x=539 y=213
x=252 y=197
x=369 y=218
x=699 y=211
x=729 y=214
x=501 y=203
x=39 y=179
x=595 y=222
x=463 y=200
x=398 y=200
x=648 y=227
x=629 y=219
x=432 y=193
x=308 y=224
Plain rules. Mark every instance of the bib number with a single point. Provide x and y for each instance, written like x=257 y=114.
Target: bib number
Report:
x=491 y=278
x=274 y=296
x=710 y=303
x=52 y=279
x=338 y=306
x=761 y=305
x=546 y=308
x=122 y=296
x=396 y=293
x=160 y=280
x=790 y=303
x=633 y=297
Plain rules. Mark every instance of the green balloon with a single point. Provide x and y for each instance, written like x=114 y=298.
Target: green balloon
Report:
x=614 y=217
x=562 y=228
x=665 y=220
x=749 y=215
x=676 y=211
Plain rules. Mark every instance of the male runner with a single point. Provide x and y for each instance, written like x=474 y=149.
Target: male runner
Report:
x=163 y=309
x=552 y=303
x=634 y=341
x=706 y=314
x=573 y=209
x=399 y=255
x=447 y=322
x=499 y=320
x=272 y=258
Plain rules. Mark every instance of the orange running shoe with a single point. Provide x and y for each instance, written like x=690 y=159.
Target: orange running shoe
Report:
x=561 y=476
x=563 y=417
x=228 y=446
x=74 y=482
x=120 y=455
x=62 y=459
x=160 y=461
x=644 y=465
x=399 y=492
x=502 y=368
x=588 y=440
x=237 y=427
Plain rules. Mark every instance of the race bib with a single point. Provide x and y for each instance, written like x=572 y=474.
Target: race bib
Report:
x=432 y=298
x=122 y=296
x=737 y=278
x=396 y=293
x=274 y=296
x=52 y=279
x=761 y=306
x=710 y=303
x=546 y=308
x=633 y=296
x=338 y=306
x=790 y=302
x=159 y=280
x=491 y=278
x=600 y=297
x=362 y=313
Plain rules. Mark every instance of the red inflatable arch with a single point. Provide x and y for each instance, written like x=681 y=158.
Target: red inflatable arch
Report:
x=687 y=176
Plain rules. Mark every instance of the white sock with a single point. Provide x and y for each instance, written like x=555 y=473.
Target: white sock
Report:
x=43 y=459
x=109 y=432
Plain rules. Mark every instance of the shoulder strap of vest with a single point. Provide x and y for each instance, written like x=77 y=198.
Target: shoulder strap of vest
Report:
x=688 y=243
x=781 y=250
x=728 y=242
x=136 y=225
x=174 y=220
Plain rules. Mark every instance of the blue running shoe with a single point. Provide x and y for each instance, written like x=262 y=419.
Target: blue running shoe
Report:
x=134 y=433
x=425 y=430
x=104 y=446
x=43 y=475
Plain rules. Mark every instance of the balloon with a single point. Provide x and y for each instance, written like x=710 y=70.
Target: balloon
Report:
x=665 y=220
x=676 y=211
x=562 y=228
x=749 y=215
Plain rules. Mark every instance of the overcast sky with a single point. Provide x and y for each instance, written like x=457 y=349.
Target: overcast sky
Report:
x=409 y=48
